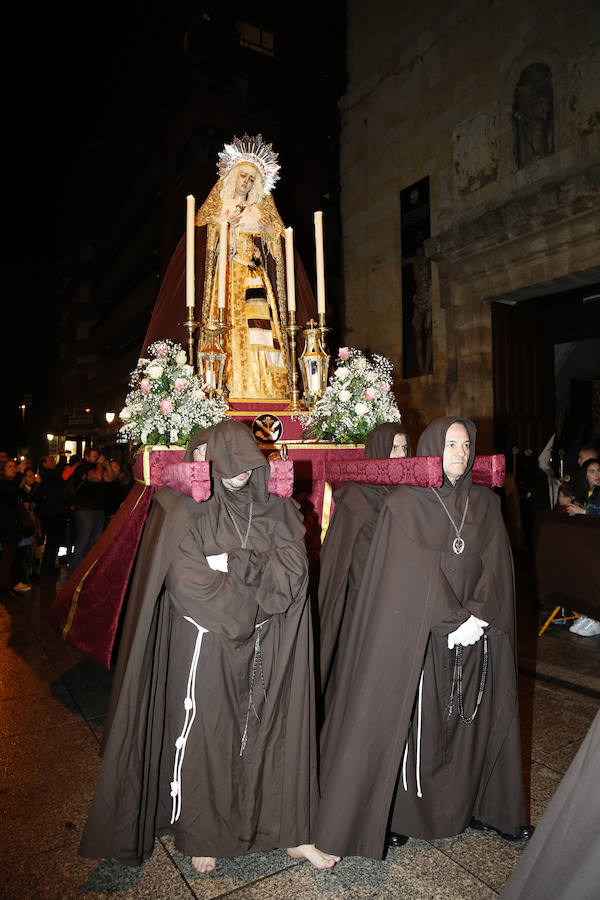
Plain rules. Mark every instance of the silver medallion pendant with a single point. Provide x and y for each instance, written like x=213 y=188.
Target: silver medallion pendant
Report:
x=458 y=545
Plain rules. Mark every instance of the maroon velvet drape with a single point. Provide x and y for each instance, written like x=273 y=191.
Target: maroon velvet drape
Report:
x=87 y=609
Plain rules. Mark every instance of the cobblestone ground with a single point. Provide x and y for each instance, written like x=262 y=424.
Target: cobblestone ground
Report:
x=52 y=704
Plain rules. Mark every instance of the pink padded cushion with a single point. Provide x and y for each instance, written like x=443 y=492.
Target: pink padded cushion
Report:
x=281 y=478
x=422 y=471
x=193 y=478
x=489 y=470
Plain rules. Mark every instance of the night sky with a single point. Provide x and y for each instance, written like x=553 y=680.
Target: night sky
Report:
x=69 y=58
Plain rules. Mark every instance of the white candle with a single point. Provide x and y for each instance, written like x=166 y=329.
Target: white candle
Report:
x=320 y=262
x=289 y=270
x=223 y=240
x=190 y=235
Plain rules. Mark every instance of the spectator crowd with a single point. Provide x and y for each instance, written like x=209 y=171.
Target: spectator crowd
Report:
x=58 y=504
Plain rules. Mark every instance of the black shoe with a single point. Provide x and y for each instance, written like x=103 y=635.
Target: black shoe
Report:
x=523 y=834
x=396 y=840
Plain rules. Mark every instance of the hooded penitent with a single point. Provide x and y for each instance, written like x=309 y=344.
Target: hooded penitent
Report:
x=381 y=440
x=415 y=766
x=210 y=734
x=344 y=554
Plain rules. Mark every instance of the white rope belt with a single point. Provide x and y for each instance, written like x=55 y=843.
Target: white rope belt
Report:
x=189 y=705
x=418 y=754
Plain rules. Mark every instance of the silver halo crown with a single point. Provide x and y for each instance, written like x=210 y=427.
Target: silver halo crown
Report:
x=251 y=150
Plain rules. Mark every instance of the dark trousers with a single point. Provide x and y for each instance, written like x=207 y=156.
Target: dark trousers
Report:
x=6 y=565
x=54 y=527
x=88 y=528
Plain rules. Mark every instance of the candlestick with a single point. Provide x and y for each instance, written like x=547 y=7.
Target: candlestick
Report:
x=320 y=262
x=292 y=330
x=289 y=270
x=190 y=326
x=223 y=241
x=190 y=241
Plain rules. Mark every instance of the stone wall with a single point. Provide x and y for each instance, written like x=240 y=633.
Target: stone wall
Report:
x=431 y=92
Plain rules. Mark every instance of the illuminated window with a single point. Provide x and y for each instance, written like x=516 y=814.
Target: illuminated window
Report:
x=256 y=39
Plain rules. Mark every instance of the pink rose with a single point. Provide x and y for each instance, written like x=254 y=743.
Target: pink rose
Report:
x=344 y=353
x=179 y=384
x=370 y=394
x=145 y=386
x=384 y=388
x=166 y=407
x=161 y=350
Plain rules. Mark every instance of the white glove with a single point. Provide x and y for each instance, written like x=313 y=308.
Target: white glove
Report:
x=467 y=633
x=218 y=562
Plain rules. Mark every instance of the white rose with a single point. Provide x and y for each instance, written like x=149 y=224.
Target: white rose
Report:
x=345 y=396
x=360 y=409
x=154 y=371
x=125 y=413
x=342 y=372
x=359 y=363
x=188 y=370
x=181 y=357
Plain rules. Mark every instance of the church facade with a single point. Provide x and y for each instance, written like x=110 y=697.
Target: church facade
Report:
x=470 y=193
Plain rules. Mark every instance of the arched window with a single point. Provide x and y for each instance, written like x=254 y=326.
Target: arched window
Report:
x=533 y=114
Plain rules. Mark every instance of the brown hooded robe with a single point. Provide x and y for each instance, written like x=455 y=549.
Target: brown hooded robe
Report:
x=344 y=555
x=414 y=592
x=231 y=802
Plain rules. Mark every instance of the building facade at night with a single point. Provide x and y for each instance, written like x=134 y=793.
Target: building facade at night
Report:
x=470 y=173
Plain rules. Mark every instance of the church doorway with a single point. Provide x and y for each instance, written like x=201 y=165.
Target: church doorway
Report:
x=546 y=370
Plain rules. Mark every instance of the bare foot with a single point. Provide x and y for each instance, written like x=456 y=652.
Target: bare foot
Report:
x=319 y=859
x=204 y=864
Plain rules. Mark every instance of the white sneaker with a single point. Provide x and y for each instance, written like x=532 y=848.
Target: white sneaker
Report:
x=589 y=629
x=578 y=623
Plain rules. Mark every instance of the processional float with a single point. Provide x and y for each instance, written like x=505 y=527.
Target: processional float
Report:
x=88 y=609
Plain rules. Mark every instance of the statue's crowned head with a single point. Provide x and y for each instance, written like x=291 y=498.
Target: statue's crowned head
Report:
x=252 y=152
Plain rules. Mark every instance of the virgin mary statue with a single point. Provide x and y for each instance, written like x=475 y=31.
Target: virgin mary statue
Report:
x=256 y=342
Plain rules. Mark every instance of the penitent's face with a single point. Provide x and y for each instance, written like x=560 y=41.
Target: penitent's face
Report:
x=399 y=447
x=456 y=452
x=199 y=453
x=237 y=481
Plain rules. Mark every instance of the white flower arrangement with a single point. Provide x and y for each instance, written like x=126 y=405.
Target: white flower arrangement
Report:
x=358 y=397
x=167 y=403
